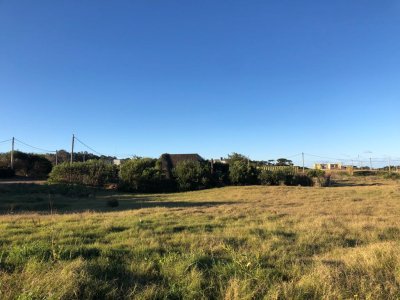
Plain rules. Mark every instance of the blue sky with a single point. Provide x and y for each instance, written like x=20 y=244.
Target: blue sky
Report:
x=263 y=78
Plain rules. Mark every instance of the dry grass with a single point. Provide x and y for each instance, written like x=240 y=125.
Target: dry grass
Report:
x=231 y=243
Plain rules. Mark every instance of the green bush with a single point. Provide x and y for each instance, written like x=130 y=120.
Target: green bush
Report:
x=91 y=173
x=143 y=175
x=191 y=175
x=300 y=179
x=314 y=173
x=393 y=176
x=27 y=164
x=268 y=177
x=286 y=177
x=241 y=173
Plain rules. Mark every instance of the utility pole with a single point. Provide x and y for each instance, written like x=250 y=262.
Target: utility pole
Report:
x=72 y=149
x=370 y=163
x=390 y=168
x=302 y=154
x=56 y=157
x=12 y=154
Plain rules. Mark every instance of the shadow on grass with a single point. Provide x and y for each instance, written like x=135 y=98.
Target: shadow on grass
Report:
x=18 y=198
x=344 y=183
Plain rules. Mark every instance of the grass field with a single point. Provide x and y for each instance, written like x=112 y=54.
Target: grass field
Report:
x=250 y=242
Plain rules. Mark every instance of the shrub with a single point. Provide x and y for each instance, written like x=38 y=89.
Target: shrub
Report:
x=191 y=175
x=143 y=175
x=315 y=173
x=287 y=177
x=301 y=179
x=220 y=174
x=268 y=177
x=6 y=173
x=241 y=173
x=27 y=164
x=394 y=176
x=91 y=173
x=364 y=173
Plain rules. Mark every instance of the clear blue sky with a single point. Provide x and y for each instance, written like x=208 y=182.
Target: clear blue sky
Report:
x=263 y=78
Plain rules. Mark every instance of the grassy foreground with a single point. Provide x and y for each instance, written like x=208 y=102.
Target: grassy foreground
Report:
x=230 y=243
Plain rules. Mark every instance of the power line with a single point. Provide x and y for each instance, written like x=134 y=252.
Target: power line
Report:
x=90 y=148
x=33 y=147
x=9 y=140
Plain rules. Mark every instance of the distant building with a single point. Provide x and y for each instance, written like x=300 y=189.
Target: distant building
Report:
x=329 y=166
x=170 y=161
x=220 y=160
x=117 y=162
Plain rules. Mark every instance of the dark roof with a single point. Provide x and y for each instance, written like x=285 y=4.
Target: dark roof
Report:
x=170 y=161
x=173 y=159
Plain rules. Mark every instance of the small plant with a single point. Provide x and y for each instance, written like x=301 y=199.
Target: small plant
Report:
x=316 y=173
x=393 y=176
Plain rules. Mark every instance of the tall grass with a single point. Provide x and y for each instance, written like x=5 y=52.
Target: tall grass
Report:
x=250 y=242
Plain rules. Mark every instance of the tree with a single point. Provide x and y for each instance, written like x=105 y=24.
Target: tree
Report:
x=236 y=157
x=27 y=164
x=141 y=174
x=283 y=162
x=191 y=175
x=241 y=172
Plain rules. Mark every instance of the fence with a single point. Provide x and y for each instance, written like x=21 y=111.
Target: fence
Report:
x=289 y=169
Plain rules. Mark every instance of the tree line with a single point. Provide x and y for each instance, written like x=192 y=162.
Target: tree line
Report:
x=141 y=174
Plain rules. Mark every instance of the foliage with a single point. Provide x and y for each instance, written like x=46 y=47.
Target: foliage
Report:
x=242 y=172
x=220 y=174
x=364 y=173
x=27 y=164
x=143 y=175
x=91 y=173
x=391 y=175
x=236 y=157
x=283 y=162
x=315 y=173
x=191 y=175
x=269 y=177
x=6 y=172
x=65 y=156
x=286 y=177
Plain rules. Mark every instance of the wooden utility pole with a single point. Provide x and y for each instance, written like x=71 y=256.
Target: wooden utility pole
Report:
x=302 y=155
x=390 y=168
x=56 y=157
x=12 y=153
x=370 y=163
x=72 y=148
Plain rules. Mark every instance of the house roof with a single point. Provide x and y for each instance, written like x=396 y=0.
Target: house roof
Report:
x=173 y=159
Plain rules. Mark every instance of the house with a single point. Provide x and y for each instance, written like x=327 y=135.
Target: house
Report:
x=220 y=160
x=329 y=166
x=117 y=162
x=170 y=161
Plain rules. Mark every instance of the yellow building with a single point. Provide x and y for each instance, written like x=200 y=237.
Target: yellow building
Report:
x=329 y=166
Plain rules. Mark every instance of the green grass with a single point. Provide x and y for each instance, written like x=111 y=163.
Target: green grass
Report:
x=230 y=243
